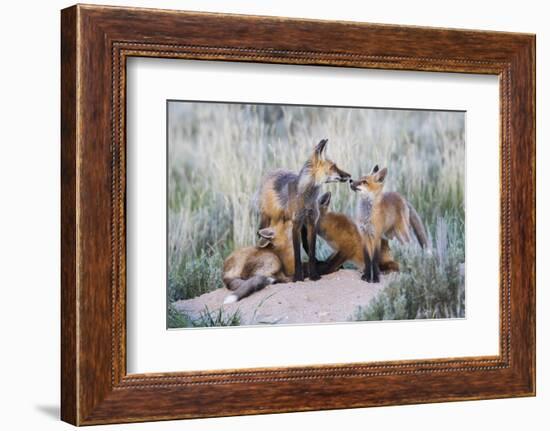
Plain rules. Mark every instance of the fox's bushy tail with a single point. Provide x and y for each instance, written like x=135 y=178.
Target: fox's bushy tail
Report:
x=418 y=227
x=243 y=288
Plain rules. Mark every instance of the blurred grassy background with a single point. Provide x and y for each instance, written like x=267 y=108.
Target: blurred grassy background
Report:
x=219 y=152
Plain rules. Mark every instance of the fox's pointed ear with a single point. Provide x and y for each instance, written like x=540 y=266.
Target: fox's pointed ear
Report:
x=266 y=235
x=381 y=175
x=374 y=170
x=324 y=200
x=321 y=148
x=263 y=243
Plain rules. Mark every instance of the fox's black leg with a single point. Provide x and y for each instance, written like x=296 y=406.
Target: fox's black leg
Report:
x=322 y=267
x=298 y=274
x=376 y=266
x=332 y=264
x=312 y=240
x=368 y=266
x=304 y=240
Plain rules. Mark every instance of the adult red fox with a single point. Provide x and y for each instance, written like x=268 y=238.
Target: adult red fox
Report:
x=343 y=236
x=285 y=196
x=250 y=269
x=383 y=214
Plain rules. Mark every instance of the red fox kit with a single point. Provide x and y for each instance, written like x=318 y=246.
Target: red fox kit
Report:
x=383 y=214
x=250 y=269
x=285 y=196
x=343 y=236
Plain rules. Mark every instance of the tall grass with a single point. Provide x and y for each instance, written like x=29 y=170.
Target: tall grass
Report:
x=218 y=154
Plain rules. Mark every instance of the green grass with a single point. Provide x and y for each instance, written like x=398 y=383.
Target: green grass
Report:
x=206 y=318
x=218 y=317
x=176 y=319
x=218 y=154
x=196 y=276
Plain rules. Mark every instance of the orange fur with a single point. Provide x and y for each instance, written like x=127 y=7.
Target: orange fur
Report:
x=288 y=196
x=381 y=215
x=249 y=269
x=343 y=236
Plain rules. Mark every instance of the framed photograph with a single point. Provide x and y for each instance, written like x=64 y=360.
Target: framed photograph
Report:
x=264 y=214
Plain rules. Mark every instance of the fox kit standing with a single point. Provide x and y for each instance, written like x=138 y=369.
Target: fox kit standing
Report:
x=383 y=214
x=343 y=236
x=285 y=195
x=250 y=269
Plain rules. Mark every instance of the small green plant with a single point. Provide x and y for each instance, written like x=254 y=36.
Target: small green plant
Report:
x=177 y=319
x=206 y=318
x=219 y=317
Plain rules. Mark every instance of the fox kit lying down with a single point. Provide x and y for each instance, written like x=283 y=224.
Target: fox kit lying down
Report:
x=286 y=196
x=383 y=214
x=343 y=236
x=250 y=269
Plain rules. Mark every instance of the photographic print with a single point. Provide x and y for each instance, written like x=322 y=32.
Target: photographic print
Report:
x=291 y=214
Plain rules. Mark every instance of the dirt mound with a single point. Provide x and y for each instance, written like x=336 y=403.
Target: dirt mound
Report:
x=334 y=298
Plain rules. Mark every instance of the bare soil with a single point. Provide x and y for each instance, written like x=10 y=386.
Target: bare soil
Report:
x=334 y=298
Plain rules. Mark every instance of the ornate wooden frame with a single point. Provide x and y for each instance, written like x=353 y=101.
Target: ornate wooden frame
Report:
x=95 y=43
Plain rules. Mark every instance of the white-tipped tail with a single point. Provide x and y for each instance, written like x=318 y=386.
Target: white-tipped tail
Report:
x=230 y=299
x=271 y=280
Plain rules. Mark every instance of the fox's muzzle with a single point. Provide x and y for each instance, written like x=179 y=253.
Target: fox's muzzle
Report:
x=343 y=176
x=354 y=185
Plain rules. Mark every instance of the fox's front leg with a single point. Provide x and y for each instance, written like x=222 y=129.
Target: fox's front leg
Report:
x=312 y=240
x=298 y=273
x=375 y=263
x=304 y=239
x=368 y=266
